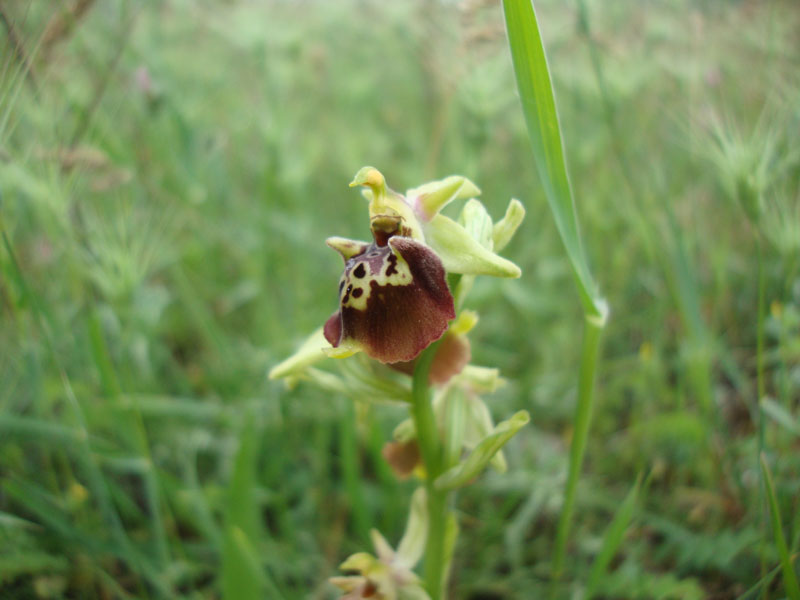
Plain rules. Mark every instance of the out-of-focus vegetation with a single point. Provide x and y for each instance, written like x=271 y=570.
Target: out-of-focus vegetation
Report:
x=168 y=173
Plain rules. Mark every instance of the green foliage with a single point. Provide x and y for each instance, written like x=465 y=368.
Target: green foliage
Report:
x=168 y=174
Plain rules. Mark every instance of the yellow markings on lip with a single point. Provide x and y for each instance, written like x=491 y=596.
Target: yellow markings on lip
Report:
x=356 y=290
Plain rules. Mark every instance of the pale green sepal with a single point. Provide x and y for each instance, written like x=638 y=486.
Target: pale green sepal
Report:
x=454 y=424
x=476 y=220
x=429 y=198
x=478 y=224
x=479 y=424
x=360 y=561
x=405 y=431
x=506 y=227
x=327 y=381
x=382 y=548
x=460 y=253
x=499 y=462
x=309 y=353
x=347 y=248
x=412 y=592
x=374 y=385
x=348 y=583
x=476 y=462
x=412 y=546
x=481 y=379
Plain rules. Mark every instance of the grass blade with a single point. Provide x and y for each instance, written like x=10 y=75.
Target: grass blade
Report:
x=242 y=574
x=789 y=576
x=613 y=538
x=582 y=422
x=539 y=108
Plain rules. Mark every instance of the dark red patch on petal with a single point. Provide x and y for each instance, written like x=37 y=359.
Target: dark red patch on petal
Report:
x=333 y=329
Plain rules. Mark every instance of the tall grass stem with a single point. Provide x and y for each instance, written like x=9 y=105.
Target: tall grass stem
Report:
x=582 y=421
x=539 y=108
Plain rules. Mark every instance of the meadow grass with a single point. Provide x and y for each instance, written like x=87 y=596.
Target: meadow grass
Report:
x=168 y=175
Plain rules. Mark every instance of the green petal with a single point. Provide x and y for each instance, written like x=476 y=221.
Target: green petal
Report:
x=312 y=351
x=460 y=253
x=463 y=473
x=479 y=424
x=429 y=198
x=477 y=222
x=506 y=227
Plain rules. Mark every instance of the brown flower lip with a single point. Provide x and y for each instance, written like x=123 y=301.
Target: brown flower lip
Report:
x=393 y=300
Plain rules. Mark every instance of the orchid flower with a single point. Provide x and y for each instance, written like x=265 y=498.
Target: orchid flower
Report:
x=394 y=300
x=388 y=576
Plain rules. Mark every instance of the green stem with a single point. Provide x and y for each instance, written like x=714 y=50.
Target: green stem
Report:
x=583 y=417
x=431 y=449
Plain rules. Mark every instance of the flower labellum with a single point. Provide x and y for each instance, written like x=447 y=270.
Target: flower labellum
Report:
x=394 y=300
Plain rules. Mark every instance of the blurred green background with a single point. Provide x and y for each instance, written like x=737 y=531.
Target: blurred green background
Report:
x=168 y=174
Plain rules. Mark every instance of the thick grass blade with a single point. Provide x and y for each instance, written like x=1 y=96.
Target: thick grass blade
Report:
x=539 y=108
x=789 y=575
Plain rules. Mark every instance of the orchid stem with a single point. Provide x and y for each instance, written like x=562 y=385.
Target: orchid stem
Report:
x=431 y=449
